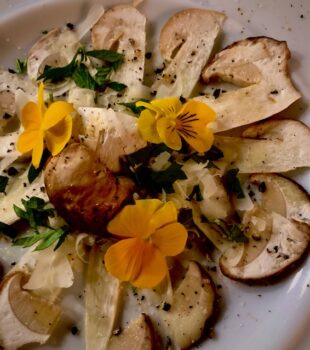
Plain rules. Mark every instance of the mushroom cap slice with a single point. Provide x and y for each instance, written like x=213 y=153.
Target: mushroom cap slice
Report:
x=295 y=198
x=270 y=146
x=192 y=306
x=138 y=335
x=122 y=28
x=260 y=66
x=287 y=244
x=83 y=190
x=186 y=42
x=25 y=318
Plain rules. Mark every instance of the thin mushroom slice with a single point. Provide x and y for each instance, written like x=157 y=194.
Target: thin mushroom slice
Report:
x=294 y=197
x=138 y=335
x=258 y=65
x=287 y=244
x=192 y=306
x=271 y=146
x=186 y=42
x=122 y=28
x=25 y=318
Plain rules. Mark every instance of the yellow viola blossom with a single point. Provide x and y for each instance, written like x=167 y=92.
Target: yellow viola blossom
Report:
x=151 y=232
x=50 y=126
x=168 y=120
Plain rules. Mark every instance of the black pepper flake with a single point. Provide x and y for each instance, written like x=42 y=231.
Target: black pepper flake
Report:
x=216 y=93
x=148 y=55
x=12 y=71
x=12 y=171
x=274 y=92
x=251 y=193
x=159 y=70
x=70 y=26
x=13 y=263
x=182 y=99
x=262 y=187
x=166 y=307
x=74 y=330
x=7 y=116
x=302 y=16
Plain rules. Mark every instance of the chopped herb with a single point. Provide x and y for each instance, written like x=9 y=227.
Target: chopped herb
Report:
x=106 y=55
x=33 y=173
x=8 y=230
x=143 y=155
x=114 y=85
x=233 y=231
x=132 y=106
x=21 y=65
x=102 y=75
x=196 y=194
x=83 y=79
x=212 y=154
x=3 y=183
x=47 y=238
x=232 y=183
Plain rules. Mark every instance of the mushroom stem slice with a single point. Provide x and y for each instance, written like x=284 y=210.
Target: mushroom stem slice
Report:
x=186 y=42
x=192 y=306
x=101 y=302
x=25 y=318
x=138 y=336
x=261 y=65
x=271 y=146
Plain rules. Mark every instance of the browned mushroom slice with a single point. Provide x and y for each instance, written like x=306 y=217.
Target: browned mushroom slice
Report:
x=122 y=28
x=192 y=306
x=83 y=190
x=186 y=42
x=271 y=146
x=24 y=318
x=260 y=66
x=138 y=335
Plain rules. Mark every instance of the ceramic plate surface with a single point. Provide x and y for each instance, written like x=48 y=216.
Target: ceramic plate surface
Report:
x=274 y=317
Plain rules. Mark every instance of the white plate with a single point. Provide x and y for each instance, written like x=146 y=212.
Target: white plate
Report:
x=267 y=317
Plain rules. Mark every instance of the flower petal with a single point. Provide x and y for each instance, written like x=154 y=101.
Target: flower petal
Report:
x=134 y=220
x=31 y=116
x=167 y=214
x=41 y=104
x=55 y=113
x=149 y=106
x=58 y=136
x=166 y=128
x=124 y=259
x=192 y=123
x=38 y=150
x=154 y=268
x=169 y=106
x=171 y=239
x=27 y=140
x=147 y=126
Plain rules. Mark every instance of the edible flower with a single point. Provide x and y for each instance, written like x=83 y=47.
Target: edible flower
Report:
x=167 y=120
x=51 y=126
x=151 y=232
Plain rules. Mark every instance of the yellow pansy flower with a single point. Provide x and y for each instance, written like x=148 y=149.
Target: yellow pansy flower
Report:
x=151 y=233
x=167 y=120
x=51 y=126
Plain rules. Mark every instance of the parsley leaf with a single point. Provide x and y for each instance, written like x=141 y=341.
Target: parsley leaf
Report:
x=133 y=107
x=47 y=238
x=8 y=230
x=33 y=173
x=212 y=154
x=106 y=55
x=102 y=75
x=232 y=183
x=83 y=79
x=196 y=194
x=114 y=85
x=233 y=231
x=21 y=65
x=3 y=183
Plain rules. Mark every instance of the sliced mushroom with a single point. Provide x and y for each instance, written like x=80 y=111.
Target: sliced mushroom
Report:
x=271 y=146
x=122 y=28
x=186 y=42
x=138 y=335
x=287 y=244
x=24 y=317
x=102 y=300
x=192 y=306
x=83 y=190
x=111 y=134
x=260 y=66
x=291 y=201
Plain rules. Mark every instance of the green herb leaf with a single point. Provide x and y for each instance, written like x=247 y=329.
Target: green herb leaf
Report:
x=133 y=107
x=83 y=79
x=106 y=55
x=33 y=173
x=232 y=183
x=114 y=85
x=21 y=65
x=3 y=183
x=56 y=74
x=47 y=238
x=213 y=154
x=233 y=232
x=8 y=230
x=196 y=194
x=143 y=155
x=102 y=75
